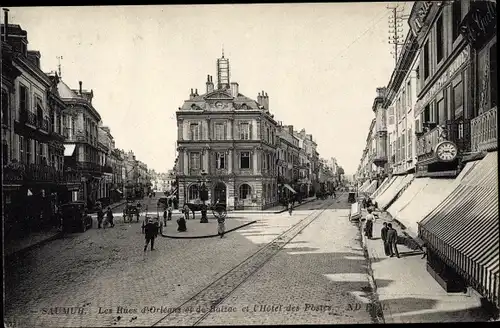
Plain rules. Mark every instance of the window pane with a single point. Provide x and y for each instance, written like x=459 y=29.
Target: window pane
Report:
x=458 y=97
x=245 y=160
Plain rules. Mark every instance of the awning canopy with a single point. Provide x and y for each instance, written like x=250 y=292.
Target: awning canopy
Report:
x=463 y=229
x=290 y=188
x=386 y=183
x=385 y=199
x=407 y=196
x=364 y=185
x=69 y=149
x=371 y=188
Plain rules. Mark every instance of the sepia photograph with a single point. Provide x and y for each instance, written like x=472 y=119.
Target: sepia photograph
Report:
x=250 y=164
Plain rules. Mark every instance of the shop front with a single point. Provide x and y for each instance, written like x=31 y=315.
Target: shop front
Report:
x=461 y=234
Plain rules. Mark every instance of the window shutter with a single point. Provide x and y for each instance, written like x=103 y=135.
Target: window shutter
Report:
x=15 y=153
x=225 y=130
x=250 y=133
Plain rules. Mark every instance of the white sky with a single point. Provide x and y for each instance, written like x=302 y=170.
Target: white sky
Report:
x=319 y=63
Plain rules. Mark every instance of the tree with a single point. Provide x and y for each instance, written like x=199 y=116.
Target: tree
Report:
x=340 y=170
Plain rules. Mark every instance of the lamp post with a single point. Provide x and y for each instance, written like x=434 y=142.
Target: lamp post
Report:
x=204 y=197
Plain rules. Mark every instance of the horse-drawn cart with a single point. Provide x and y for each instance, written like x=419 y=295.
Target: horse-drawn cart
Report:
x=130 y=211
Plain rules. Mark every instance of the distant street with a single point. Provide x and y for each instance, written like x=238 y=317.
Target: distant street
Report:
x=317 y=277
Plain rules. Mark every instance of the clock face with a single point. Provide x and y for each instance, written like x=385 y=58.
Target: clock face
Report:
x=446 y=151
x=218 y=105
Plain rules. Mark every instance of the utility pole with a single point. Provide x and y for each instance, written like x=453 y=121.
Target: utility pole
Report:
x=396 y=36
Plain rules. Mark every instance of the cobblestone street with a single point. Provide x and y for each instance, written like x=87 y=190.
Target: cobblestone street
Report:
x=101 y=269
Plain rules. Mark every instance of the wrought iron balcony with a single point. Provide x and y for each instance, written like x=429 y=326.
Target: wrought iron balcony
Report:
x=34 y=173
x=43 y=124
x=484 y=131
x=88 y=166
x=28 y=117
x=456 y=131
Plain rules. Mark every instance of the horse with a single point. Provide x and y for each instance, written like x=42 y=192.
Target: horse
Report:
x=196 y=208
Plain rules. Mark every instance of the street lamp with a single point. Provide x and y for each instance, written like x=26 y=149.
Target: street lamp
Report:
x=203 y=196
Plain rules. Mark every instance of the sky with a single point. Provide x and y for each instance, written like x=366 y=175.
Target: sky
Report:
x=319 y=63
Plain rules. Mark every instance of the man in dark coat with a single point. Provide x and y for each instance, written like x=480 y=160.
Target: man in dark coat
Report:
x=109 y=214
x=392 y=240
x=383 y=235
x=150 y=231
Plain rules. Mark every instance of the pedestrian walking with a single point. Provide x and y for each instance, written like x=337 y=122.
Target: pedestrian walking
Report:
x=150 y=232
x=333 y=193
x=369 y=224
x=100 y=217
x=290 y=207
x=109 y=218
x=169 y=213
x=392 y=240
x=221 y=229
x=165 y=217
x=383 y=235
x=185 y=210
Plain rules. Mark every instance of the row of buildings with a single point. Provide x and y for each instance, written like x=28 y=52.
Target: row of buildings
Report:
x=235 y=147
x=55 y=148
x=433 y=140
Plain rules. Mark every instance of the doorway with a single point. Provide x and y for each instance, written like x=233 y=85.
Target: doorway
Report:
x=220 y=193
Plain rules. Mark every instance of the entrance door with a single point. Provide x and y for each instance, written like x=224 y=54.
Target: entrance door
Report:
x=220 y=193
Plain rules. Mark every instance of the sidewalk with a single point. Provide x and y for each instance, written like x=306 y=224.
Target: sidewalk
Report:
x=195 y=229
x=407 y=292
x=36 y=239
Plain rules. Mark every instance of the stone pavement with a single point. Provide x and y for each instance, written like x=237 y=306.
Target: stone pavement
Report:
x=99 y=270
x=318 y=277
x=408 y=293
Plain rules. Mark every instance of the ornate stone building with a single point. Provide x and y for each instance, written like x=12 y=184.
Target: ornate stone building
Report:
x=231 y=139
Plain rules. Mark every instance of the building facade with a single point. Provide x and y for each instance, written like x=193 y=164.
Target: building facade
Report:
x=231 y=139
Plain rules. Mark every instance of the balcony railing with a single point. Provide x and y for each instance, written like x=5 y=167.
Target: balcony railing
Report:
x=456 y=131
x=88 y=166
x=43 y=124
x=28 y=117
x=24 y=173
x=484 y=131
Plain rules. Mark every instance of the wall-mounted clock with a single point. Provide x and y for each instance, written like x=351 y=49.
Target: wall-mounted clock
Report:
x=446 y=151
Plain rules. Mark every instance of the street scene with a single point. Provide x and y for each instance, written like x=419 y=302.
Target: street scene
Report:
x=148 y=180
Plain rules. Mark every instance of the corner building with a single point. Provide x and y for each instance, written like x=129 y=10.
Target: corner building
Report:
x=232 y=139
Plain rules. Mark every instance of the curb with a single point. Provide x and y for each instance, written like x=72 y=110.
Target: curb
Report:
x=376 y=310
x=208 y=236
x=32 y=246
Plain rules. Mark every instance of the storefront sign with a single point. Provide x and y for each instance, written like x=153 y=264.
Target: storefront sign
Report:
x=417 y=20
x=479 y=25
x=454 y=67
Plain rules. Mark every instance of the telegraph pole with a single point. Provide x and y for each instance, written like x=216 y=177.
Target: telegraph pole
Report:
x=396 y=36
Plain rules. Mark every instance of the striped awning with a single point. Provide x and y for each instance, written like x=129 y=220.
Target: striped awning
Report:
x=387 y=197
x=463 y=229
x=382 y=187
x=371 y=188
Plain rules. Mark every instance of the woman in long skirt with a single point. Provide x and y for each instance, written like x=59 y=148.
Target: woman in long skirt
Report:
x=221 y=227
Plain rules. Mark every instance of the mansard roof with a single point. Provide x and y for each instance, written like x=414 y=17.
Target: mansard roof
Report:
x=199 y=102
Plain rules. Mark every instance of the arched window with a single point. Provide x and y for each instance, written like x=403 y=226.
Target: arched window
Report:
x=194 y=192
x=245 y=191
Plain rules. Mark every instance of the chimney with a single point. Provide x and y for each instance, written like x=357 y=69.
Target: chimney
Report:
x=260 y=100
x=6 y=25
x=290 y=129
x=210 y=84
x=234 y=89
x=80 y=82
x=266 y=102
x=191 y=95
x=196 y=92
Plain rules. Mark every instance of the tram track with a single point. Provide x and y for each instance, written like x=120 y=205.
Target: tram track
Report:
x=193 y=311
